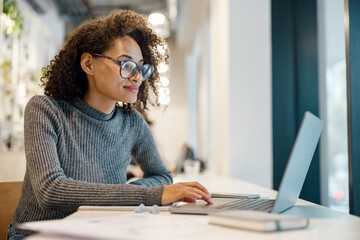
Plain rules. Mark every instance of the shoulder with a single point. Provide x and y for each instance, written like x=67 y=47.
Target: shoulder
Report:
x=138 y=118
x=40 y=100
x=136 y=114
x=135 y=121
x=42 y=104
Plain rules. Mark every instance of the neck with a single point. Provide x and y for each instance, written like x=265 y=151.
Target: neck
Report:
x=103 y=105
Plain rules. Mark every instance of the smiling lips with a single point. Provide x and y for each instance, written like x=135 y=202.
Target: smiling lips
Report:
x=132 y=89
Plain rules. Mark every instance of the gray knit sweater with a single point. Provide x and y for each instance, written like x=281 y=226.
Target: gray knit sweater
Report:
x=77 y=155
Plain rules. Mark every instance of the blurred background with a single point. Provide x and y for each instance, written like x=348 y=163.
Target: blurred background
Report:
x=220 y=89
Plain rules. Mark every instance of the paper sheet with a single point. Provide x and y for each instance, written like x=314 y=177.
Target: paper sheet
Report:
x=125 y=226
x=119 y=208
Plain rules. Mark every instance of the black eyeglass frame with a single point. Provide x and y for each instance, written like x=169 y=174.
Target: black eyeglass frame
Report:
x=136 y=69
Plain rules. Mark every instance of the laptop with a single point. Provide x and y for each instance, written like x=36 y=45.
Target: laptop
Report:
x=291 y=182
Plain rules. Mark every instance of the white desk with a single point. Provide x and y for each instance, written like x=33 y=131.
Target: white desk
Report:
x=344 y=226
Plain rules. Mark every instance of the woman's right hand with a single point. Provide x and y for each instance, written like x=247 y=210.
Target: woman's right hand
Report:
x=185 y=192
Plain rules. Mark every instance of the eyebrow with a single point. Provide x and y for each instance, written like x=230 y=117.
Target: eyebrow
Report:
x=130 y=57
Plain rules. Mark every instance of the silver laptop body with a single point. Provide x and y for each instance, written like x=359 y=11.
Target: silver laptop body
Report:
x=291 y=182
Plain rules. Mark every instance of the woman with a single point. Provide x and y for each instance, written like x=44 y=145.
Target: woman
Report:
x=79 y=142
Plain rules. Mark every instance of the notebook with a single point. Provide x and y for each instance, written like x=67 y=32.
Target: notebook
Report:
x=258 y=221
x=291 y=182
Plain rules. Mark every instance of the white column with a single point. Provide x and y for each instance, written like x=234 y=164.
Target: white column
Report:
x=241 y=100
x=219 y=87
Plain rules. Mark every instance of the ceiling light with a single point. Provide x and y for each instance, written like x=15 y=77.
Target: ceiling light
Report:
x=157 y=18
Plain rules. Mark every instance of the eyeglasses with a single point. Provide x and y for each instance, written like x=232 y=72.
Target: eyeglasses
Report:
x=128 y=68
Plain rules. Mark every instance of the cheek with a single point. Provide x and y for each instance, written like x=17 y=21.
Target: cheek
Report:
x=115 y=72
x=109 y=73
x=110 y=76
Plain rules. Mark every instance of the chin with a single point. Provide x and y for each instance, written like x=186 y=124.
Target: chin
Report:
x=128 y=100
x=132 y=101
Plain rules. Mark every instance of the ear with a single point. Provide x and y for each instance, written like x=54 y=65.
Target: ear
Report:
x=86 y=63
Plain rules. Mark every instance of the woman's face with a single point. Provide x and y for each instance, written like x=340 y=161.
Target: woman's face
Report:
x=107 y=81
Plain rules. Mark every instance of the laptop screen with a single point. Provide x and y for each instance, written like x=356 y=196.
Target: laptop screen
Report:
x=299 y=162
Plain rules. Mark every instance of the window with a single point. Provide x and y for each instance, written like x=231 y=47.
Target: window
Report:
x=332 y=78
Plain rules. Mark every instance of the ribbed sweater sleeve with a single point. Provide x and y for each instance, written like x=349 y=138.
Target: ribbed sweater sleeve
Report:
x=145 y=151
x=77 y=156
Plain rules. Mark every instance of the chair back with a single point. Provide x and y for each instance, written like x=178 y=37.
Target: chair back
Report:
x=9 y=198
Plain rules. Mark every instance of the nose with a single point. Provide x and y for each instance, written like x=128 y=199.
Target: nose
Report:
x=137 y=77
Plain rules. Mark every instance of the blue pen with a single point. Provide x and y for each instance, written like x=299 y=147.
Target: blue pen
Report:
x=235 y=195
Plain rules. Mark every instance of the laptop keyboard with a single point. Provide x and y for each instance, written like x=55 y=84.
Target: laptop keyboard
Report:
x=265 y=205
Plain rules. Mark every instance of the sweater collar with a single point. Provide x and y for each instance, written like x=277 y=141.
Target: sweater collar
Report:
x=90 y=111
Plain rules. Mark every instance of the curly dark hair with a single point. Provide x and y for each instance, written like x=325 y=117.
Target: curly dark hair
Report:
x=64 y=78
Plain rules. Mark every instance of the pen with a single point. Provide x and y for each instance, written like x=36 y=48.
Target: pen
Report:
x=234 y=195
